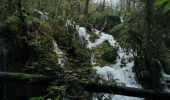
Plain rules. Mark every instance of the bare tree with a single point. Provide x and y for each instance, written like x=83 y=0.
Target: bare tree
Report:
x=86 y=8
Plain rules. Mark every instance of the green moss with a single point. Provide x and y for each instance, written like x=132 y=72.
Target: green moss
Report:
x=13 y=23
x=44 y=56
x=110 y=55
x=93 y=36
x=37 y=98
x=38 y=39
x=105 y=54
x=117 y=29
x=79 y=55
x=9 y=27
x=100 y=20
x=167 y=61
x=103 y=62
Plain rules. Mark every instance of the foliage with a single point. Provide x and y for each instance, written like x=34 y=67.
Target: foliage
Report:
x=105 y=54
x=78 y=54
x=141 y=31
x=118 y=28
x=37 y=37
x=106 y=21
x=41 y=43
x=166 y=6
x=67 y=87
x=110 y=55
x=166 y=61
x=144 y=74
x=37 y=98
x=10 y=26
x=145 y=78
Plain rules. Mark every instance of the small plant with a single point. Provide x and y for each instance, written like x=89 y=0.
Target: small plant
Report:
x=110 y=55
x=166 y=2
x=37 y=98
x=105 y=54
x=106 y=21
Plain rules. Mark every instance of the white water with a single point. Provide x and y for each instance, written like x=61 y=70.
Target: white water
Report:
x=108 y=2
x=120 y=74
x=43 y=15
x=61 y=59
x=165 y=78
x=164 y=81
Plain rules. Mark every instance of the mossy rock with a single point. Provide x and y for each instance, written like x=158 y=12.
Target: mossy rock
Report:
x=105 y=54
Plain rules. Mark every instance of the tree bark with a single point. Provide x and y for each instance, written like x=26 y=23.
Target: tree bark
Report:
x=20 y=16
x=86 y=8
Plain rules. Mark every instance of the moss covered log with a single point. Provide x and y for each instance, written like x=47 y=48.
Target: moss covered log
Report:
x=90 y=87
x=127 y=91
x=26 y=78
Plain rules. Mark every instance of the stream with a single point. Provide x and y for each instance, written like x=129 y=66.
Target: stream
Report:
x=121 y=74
x=165 y=78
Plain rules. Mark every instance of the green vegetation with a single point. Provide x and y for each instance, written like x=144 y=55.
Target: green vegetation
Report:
x=105 y=22
x=31 y=26
x=37 y=98
x=105 y=54
x=167 y=5
x=167 y=61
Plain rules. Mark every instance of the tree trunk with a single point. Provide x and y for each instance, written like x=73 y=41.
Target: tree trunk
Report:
x=25 y=78
x=21 y=19
x=128 y=5
x=126 y=91
x=103 y=6
x=90 y=87
x=86 y=8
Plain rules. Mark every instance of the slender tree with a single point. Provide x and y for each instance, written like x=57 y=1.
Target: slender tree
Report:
x=86 y=8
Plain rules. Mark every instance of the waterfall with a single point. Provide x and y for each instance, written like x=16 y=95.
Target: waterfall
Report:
x=121 y=74
x=121 y=19
x=62 y=59
x=42 y=14
x=165 y=78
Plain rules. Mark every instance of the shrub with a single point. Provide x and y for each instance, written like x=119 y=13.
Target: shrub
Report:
x=110 y=55
x=105 y=53
x=111 y=20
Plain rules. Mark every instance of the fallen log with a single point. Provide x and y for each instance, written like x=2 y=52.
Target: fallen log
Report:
x=25 y=78
x=90 y=87
x=126 y=91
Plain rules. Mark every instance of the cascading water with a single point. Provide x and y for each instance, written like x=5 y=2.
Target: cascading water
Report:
x=43 y=15
x=165 y=78
x=120 y=74
x=60 y=54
